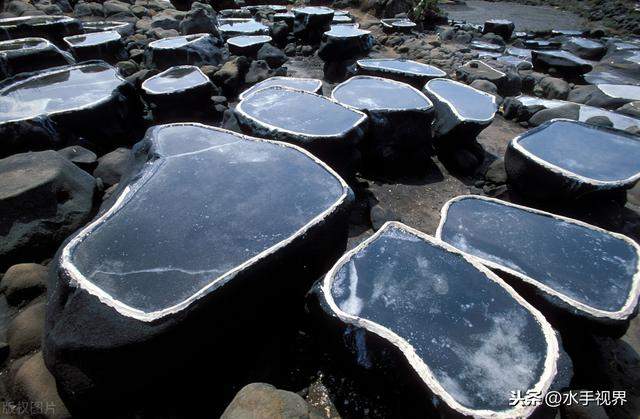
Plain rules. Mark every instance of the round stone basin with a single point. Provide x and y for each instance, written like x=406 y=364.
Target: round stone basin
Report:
x=233 y=27
x=175 y=79
x=162 y=246
x=583 y=151
x=624 y=91
x=304 y=84
x=313 y=10
x=379 y=94
x=120 y=27
x=589 y=269
x=60 y=90
x=249 y=41
x=467 y=103
x=92 y=39
x=299 y=112
x=464 y=333
x=176 y=41
x=345 y=31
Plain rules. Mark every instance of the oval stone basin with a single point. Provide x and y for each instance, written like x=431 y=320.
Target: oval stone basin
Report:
x=50 y=27
x=578 y=267
x=30 y=54
x=461 y=111
x=571 y=158
x=379 y=94
x=236 y=27
x=454 y=326
x=247 y=45
x=408 y=71
x=296 y=83
x=149 y=256
x=175 y=79
x=324 y=127
x=123 y=28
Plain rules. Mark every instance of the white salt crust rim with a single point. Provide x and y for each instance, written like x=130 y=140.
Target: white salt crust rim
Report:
x=189 y=39
x=145 y=87
x=452 y=106
x=487 y=66
x=60 y=70
x=365 y=65
x=41 y=44
x=113 y=36
x=422 y=369
x=427 y=106
x=515 y=143
x=632 y=300
x=47 y=20
x=363 y=117
x=257 y=87
x=67 y=266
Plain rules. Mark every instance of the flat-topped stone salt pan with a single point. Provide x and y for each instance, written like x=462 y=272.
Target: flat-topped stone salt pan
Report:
x=562 y=61
x=585 y=48
x=461 y=111
x=235 y=27
x=247 y=45
x=104 y=45
x=344 y=42
x=175 y=79
x=123 y=28
x=564 y=159
x=328 y=129
x=407 y=71
x=605 y=95
x=30 y=54
x=582 y=270
x=162 y=262
x=197 y=49
x=485 y=46
x=454 y=331
x=296 y=83
x=50 y=27
x=310 y=22
x=541 y=44
x=400 y=25
x=52 y=108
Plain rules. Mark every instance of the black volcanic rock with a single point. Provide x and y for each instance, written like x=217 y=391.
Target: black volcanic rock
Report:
x=406 y=71
x=562 y=61
x=568 y=159
x=88 y=102
x=198 y=49
x=326 y=128
x=53 y=28
x=501 y=27
x=105 y=45
x=247 y=45
x=30 y=54
x=452 y=337
x=582 y=277
x=233 y=253
x=607 y=96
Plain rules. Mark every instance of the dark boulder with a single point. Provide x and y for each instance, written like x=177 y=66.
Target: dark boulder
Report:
x=275 y=57
x=80 y=156
x=508 y=83
x=607 y=96
x=563 y=62
x=501 y=27
x=344 y=42
x=585 y=48
x=112 y=166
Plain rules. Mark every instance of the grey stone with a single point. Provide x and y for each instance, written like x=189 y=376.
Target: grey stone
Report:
x=23 y=282
x=113 y=165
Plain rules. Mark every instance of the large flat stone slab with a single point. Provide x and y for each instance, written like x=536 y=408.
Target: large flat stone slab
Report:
x=576 y=273
x=197 y=49
x=55 y=108
x=328 y=129
x=296 y=83
x=406 y=71
x=30 y=54
x=405 y=306
x=162 y=262
x=564 y=159
x=50 y=27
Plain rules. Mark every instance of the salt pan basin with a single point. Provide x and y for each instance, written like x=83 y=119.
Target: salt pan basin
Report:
x=208 y=231
x=574 y=272
x=55 y=108
x=30 y=54
x=564 y=159
x=50 y=27
x=406 y=71
x=326 y=128
x=462 y=112
x=296 y=83
x=442 y=326
x=105 y=45
x=237 y=27
x=197 y=49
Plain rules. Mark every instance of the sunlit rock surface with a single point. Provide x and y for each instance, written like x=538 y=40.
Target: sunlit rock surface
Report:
x=344 y=42
x=123 y=28
x=329 y=130
x=399 y=25
x=296 y=83
x=105 y=45
x=462 y=112
x=608 y=96
x=405 y=305
x=208 y=232
x=567 y=159
x=399 y=116
x=585 y=48
x=247 y=45
x=179 y=92
x=30 y=54
x=576 y=273
x=407 y=71
x=198 y=49
x=310 y=22
x=54 y=108
x=53 y=28
x=562 y=61
x=236 y=27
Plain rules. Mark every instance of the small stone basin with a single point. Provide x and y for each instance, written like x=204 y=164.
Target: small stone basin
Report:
x=485 y=46
x=568 y=159
x=326 y=128
x=563 y=61
x=235 y=27
x=588 y=273
x=247 y=45
x=405 y=304
x=344 y=42
x=175 y=79
x=407 y=71
x=105 y=45
x=541 y=44
x=585 y=48
x=400 y=25
x=339 y=19
x=30 y=54
x=310 y=22
x=197 y=49
x=462 y=112
x=50 y=27
x=123 y=28
x=296 y=83
x=501 y=27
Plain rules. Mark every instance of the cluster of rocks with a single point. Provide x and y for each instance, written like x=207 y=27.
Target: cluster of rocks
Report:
x=144 y=241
